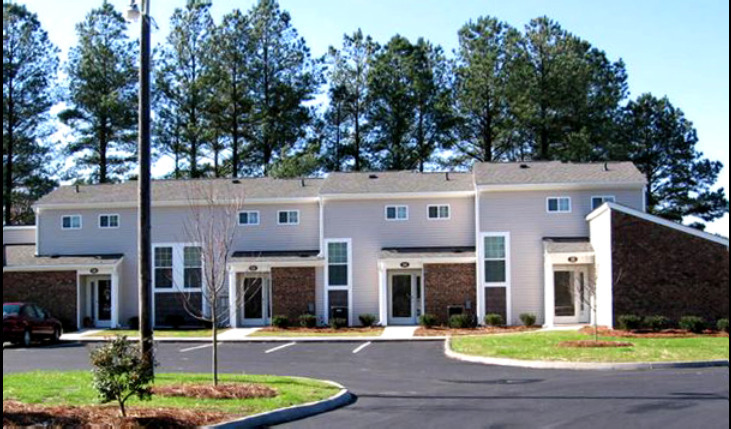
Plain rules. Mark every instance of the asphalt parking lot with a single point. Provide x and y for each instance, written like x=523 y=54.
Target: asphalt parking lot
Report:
x=412 y=385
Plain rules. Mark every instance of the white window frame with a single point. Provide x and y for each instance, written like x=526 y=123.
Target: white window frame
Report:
x=397 y=208
x=110 y=216
x=508 y=284
x=506 y=237
x=289 y=216
x=71 y=228
x=605 y=199
x=349 y=287
x=439 y=208
x=178 y=269
x=559 y=211
x=248 y=215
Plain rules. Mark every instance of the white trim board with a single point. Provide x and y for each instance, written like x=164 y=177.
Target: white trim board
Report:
x=657 y=220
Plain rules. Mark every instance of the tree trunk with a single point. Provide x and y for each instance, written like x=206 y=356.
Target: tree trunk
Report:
x=215 y=343
x=358 y=165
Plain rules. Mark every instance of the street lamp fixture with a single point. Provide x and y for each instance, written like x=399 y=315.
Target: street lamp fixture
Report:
x=133 y=13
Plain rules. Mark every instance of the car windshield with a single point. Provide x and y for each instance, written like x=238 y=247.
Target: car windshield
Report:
x=11 y=310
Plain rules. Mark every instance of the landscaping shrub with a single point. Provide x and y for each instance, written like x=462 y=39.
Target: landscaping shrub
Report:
x=657 y=323
x=723 y=325
x=120 y=374
x=174 y=321
x=308 y=321
x=693 y=324
x=338 y=324
x=367 y=320
x=280 y=322
x=529 y=320
x=494 y=320
x=428 y=321
x=134 y=323
x=630 y=322
x=461 y=321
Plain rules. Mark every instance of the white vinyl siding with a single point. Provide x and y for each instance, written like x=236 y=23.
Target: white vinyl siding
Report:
x=109 y=221
x=72 y=222
x=250 y=218
x=440 y=212
x=397 y=213
x=558 y=205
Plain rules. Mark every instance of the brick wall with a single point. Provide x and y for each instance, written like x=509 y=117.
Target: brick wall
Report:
x=54 y=291
x=662 y=271
x=448 y=285
x=174 y=305
x=293 y=291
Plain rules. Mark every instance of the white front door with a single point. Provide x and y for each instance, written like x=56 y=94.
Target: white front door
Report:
x=572 y=302
x=100 y=291
x=405 y=296
x=255 y=308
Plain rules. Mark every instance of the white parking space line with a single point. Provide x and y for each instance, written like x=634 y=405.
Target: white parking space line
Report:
x=192 y=349
x=361 y=348
x=276 y=349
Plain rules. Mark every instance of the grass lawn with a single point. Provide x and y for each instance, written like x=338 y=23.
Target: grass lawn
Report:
x=311 y=333
x=194 y=333
x=74 y=389
x=544 y=347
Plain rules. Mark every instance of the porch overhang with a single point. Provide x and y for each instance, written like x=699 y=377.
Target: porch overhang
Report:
x=263 y=262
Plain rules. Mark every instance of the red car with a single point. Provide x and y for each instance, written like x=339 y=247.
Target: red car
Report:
x=25 y=323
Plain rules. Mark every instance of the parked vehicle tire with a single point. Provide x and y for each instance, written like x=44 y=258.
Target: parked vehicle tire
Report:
x=27 y=339
x=56 y=338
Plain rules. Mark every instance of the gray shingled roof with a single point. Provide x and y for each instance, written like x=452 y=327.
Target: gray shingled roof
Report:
x=396 y=182
x=543 y=173
x=20 y=256
x=568 y=245
x=277 y=256
x=186 y=190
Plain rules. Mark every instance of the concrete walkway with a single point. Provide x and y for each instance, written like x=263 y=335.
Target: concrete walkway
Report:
x=237 y=334
x=81 y=335
x=399 y=332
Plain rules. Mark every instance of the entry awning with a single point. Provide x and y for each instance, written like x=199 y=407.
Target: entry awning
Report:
x=568 y=250
x=21 y=258
x=264 y=261
x=416 y=257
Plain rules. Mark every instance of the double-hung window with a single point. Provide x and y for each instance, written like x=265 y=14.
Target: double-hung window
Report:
x=397 y=213
x=250 y=218
x=109 y=221
x=290 y=217
x=164 y=267
x=440 y=212
x=71 y=222
x=496 y=259
x=559 y=205
x=193 y=267
x=597 y=202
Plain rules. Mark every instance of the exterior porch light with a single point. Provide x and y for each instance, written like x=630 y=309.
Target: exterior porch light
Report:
x=133 y=13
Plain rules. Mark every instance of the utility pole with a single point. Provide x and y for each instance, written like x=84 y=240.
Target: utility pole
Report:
x=145 y=184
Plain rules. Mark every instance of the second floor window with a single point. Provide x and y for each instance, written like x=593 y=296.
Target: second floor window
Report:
x=71 y=222
x=397 y=213
x=291 y=217
x=338 y=262
x=109 y=221
x=249 y=218
x=439 y=212
x=559 y=205
x=597 y=202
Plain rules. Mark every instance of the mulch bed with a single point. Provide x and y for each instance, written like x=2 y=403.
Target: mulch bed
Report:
x=320 y=331
x=16 y=415
x=594 y=344
x=445 y=332
x=667 y=334
x=223 y=391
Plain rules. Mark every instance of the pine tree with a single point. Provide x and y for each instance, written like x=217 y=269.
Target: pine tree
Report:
x=282 y=77
x=662 y=143
x=30 y=64
x=184 y=86
x=102 y=103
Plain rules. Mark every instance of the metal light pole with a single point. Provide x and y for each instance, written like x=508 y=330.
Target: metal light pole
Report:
x=145 y=183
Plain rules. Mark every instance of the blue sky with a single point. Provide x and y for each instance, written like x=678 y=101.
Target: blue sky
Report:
x=677 y=48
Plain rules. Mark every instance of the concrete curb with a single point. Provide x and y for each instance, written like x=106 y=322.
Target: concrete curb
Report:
x=286 y=415
x=579 y=366
x=260 y=340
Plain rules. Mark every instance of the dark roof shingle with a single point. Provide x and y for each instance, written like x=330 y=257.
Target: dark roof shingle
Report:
x=396 y=183
x=558 y=173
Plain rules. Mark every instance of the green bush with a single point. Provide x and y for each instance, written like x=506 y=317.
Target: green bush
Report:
x=529 y=320
x=428 y=321
x=461 y=321
x=657 y=323
x=723 y=325
x=630 y=322
x=693 y=324
x=308 y=321
x=120 y=373
x=280 y=322
x=494 y=320
x=338 y=324
x=367 y=320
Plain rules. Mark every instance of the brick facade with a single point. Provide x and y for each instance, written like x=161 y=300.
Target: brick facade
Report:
x=662 y=271
x=54 y=291
x=293 y=292
x=172 y=305
x=449 y=285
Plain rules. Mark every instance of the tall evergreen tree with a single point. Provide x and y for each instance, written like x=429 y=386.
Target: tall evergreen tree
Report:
x=333 y=131
x=102 y=103
x=184 y=85
x=283 y=77
x=485 y=90
x=662 y=143
x=30 y=64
